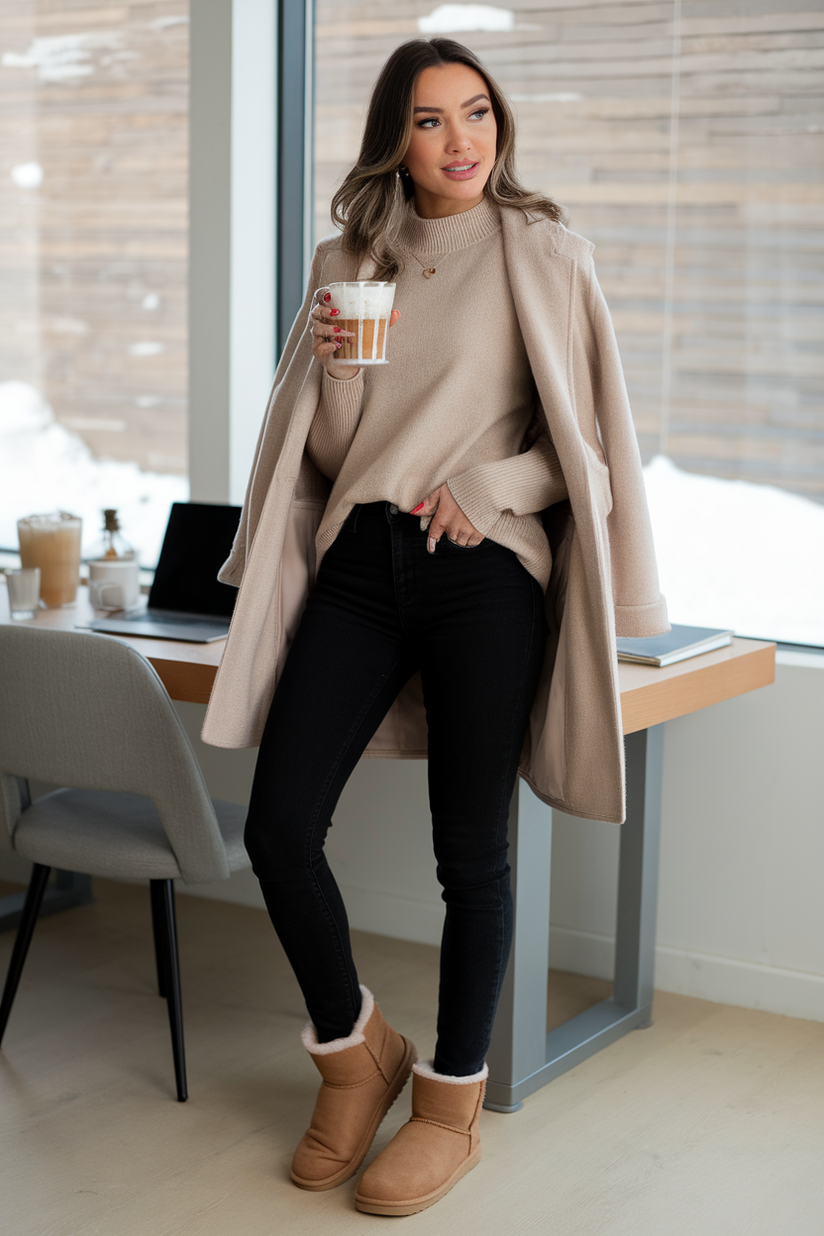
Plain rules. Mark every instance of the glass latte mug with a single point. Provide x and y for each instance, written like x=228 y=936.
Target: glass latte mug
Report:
x=365 y=306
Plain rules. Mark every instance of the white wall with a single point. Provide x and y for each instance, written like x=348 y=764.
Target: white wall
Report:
x=741 y=908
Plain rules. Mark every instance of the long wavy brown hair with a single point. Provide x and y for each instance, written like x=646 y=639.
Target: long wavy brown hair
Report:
x=368 y=206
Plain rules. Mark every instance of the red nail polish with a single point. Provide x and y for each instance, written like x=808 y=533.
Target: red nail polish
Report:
x=337 y=343
x=335 y=329
x=419 y=507
x=333 y=312
x=327 y=298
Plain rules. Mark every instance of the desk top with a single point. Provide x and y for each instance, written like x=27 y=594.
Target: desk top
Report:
x=648 y=695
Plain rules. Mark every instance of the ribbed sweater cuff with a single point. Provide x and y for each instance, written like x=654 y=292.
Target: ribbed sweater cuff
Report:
x=342 y=395
x=335 y=422
x=523 y=484
x=473 y=497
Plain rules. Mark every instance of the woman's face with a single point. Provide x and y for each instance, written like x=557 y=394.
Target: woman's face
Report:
x=453 y=142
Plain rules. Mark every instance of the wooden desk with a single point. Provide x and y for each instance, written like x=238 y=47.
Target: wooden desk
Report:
x=523 y=1057
x=648 y=696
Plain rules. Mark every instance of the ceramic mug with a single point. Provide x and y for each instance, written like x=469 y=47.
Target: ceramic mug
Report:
x=114 y=583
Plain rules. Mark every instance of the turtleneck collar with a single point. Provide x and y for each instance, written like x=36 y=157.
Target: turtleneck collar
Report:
x=453 y=232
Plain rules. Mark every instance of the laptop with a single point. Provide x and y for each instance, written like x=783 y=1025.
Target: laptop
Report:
x=186 y=602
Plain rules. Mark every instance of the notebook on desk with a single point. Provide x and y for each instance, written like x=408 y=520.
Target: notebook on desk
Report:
x=678 y=644
x=186 y=601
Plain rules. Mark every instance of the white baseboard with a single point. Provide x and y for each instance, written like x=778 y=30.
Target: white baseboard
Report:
x=728 y=980
x=723 y=980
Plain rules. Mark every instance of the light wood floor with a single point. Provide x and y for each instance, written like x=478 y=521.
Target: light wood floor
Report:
x=711 y=1121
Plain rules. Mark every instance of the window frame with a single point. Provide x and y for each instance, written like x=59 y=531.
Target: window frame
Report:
x=250 y=195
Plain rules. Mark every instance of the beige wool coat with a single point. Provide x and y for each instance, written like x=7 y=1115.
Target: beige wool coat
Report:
x=604 y=579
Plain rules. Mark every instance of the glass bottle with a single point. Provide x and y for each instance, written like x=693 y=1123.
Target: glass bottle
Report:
x=112 y=543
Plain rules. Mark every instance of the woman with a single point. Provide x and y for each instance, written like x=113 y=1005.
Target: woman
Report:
x=474 y=516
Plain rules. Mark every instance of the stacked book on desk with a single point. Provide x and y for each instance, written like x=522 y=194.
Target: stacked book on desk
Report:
x=677 y=645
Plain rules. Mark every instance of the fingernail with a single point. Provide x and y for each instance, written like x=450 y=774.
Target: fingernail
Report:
x=419 y=507
x=334 y=312
x=336 y=329
x=338 y=343
x=432 y=544
x=327 y=298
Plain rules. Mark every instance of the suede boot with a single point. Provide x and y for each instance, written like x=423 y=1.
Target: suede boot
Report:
x=362 y=1075
x=432 y=1151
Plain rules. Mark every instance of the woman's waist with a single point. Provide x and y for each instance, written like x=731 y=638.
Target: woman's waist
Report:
x=379 y=513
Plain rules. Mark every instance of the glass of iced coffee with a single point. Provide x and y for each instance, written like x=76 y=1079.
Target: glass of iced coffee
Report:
x=52 y=542
x=365 y=307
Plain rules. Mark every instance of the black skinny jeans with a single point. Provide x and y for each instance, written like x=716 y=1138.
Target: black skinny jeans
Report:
x=472 y=621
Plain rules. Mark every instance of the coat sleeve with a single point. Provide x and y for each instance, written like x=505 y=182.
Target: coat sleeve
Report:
x=298 y=350
x=640 y=609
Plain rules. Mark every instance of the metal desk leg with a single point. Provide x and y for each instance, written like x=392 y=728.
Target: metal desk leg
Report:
x=522 y=1056
x=638 y=873
x=69 y=889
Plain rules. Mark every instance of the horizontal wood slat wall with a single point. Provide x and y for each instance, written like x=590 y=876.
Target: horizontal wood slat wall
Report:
x=709 y=248
x=703 y=195
x=93 y=263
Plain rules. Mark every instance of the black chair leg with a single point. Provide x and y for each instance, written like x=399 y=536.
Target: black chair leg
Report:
x=158 y=930
x=25 y=930
x=172 y=973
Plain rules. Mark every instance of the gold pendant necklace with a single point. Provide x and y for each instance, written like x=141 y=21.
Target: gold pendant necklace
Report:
x=429 y=271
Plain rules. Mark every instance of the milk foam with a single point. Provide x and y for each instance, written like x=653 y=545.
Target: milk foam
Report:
x=363 y=299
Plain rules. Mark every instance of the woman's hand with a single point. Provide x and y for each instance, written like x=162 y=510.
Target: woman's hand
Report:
x=327 y=337
x=446 y=517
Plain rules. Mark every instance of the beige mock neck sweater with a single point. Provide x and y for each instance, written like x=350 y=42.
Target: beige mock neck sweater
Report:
x=455 y=404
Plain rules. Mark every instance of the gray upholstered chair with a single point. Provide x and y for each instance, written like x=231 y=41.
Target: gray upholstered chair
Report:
x=89 y=713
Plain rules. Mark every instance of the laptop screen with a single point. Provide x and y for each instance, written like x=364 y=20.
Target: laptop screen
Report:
x=198 y=540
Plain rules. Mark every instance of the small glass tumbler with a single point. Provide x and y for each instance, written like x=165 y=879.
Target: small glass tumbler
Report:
x=24 y=592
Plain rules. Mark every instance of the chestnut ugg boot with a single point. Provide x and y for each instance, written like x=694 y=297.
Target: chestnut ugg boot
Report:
x=362 y=1075
x=431 y=1152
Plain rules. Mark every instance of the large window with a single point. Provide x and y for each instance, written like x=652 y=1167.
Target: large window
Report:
x=685 y=140
x=93 y=259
